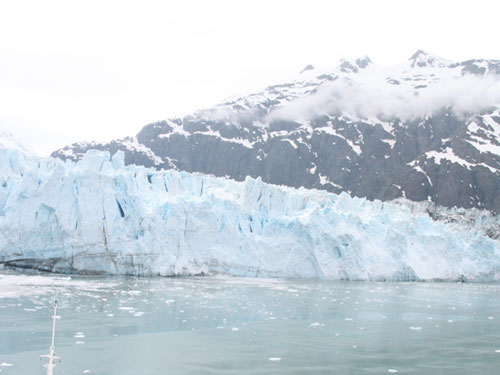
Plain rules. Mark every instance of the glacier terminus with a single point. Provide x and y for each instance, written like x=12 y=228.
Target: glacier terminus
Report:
x=98 y=216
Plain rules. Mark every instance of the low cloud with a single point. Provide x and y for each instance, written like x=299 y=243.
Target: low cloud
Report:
x=360 y=100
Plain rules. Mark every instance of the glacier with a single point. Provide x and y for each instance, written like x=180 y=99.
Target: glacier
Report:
x=98 y=216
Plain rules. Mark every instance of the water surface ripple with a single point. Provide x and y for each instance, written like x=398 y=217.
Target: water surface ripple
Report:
x=152 y=326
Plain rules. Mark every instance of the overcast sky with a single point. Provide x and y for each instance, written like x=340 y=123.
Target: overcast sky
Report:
x=97 y=70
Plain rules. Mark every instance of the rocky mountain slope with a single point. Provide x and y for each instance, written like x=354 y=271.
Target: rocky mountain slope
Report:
x=426 y=130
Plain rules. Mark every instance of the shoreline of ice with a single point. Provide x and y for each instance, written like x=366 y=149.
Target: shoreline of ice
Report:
x=98 y=216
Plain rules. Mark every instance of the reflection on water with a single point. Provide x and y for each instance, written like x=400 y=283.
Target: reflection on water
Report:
x=248 y=326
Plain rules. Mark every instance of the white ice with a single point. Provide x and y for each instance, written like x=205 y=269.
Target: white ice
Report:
x=98 y=216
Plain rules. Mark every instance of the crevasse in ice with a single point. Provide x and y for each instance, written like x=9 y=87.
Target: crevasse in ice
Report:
x=99 y=216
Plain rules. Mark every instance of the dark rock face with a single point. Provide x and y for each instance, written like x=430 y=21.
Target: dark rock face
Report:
x=449 y=159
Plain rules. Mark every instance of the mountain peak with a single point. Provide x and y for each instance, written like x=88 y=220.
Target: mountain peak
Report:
x=349 y=66
x=306 y=68
x=419 y=54
x=363 y=62
x=422 y=59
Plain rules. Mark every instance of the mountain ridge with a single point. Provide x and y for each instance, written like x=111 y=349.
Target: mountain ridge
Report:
x=426 y=130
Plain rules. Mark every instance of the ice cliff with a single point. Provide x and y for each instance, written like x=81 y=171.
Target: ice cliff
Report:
x=99 y=216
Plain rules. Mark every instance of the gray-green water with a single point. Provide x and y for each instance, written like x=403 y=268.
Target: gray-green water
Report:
x=246 y=326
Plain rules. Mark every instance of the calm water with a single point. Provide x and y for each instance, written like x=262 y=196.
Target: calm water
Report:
x=245 y=326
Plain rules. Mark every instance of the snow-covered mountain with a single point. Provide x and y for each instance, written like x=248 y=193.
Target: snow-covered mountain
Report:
x=9 y=142
x=98 y=216
x=427 y=130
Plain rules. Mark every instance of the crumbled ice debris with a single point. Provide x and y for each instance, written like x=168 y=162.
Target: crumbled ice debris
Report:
x=13 y=286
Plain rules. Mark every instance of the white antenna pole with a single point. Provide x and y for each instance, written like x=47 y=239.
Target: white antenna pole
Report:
x=52 y=350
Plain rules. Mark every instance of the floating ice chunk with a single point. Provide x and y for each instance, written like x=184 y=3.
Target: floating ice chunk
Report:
x=316 y=324
x=275 y=359
x=416 y=328
x=5 y=364
x=391 y=370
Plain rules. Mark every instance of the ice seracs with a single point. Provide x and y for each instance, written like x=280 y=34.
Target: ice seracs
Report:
x=100 y=216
